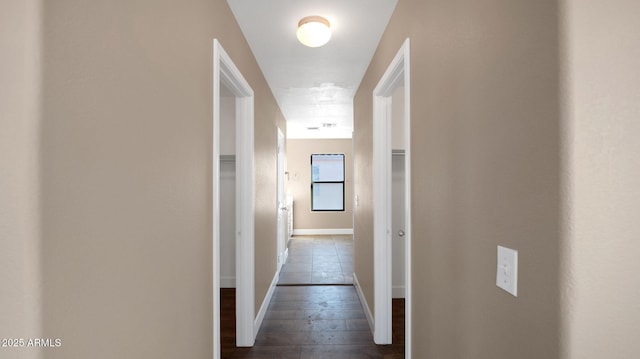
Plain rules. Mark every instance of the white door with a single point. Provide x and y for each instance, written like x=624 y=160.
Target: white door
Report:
x=398 y=225
x=282 y=205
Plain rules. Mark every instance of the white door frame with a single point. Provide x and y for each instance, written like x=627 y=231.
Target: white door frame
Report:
x=224 y=71
x=397 y=73
x=281 y=202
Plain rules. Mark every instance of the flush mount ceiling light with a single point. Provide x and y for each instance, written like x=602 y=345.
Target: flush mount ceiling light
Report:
x=314 y=31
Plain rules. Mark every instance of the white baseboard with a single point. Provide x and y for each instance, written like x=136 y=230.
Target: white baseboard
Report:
x=322 y=232
x=285 y=255
x=398 y=291
x=265 y=305
x=227 y=282
x=363 y=301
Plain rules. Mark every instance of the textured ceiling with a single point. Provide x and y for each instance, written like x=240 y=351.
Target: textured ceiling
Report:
x=314 y=86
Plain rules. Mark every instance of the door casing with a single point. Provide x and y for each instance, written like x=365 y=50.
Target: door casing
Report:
x=225 y=72
x=397 y=74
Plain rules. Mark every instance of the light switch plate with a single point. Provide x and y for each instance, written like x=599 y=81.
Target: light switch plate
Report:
x=507 y=272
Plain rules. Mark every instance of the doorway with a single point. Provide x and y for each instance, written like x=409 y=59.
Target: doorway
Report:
x=230 y=86
x=283 y=208
x=398 y=224
x=320 y=185
x=227 y=160
x=388 y=134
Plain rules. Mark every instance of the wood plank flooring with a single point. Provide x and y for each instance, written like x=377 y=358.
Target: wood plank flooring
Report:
x=312 y=322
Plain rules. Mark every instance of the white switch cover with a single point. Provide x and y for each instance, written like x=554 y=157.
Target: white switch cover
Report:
x=507 y=273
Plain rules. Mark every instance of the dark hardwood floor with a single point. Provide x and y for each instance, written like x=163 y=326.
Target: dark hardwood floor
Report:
x=305 y=322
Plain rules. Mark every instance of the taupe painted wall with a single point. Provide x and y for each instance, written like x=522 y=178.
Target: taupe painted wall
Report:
x=20 y=297
x=485 y=172
x=106 y=213
x=602 y=104
x=299 y=153
x=112 y=176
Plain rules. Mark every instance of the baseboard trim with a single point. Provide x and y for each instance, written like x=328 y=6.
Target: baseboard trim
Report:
x=398 y=291
x=227 y=282
x=322 y=232
x=363 y=301
x=265 y=304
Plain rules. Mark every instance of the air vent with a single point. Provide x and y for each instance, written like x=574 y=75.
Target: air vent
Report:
x=313 y=128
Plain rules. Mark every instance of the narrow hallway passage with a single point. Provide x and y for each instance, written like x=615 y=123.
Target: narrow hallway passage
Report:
x=312 y=322
x=318 y=260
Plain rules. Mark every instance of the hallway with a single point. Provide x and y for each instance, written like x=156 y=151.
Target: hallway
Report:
x=318 y=260
x=312 y=322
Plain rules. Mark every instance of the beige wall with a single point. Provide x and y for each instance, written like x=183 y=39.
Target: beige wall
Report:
x=126 y=175
x=106 y=187
x=485 y=172
x=299 y=153
x=602 y=104
x=20 y=297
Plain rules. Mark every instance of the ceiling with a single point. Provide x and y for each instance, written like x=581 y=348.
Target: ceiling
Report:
x=314 y=86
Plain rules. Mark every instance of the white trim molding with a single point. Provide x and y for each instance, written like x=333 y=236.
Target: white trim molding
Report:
x=265 y=305
x=397 y=74
x=323 y=232
x=363 y=302
x=225 y=72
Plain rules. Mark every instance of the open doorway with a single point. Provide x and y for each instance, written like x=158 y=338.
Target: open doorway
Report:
x=391 y=133
x=320 y=177
x=282 y=205
x=233 y=99
x=227 y=159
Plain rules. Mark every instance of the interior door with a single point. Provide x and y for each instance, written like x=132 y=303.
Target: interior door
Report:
x=282 y=205
x=398 y=223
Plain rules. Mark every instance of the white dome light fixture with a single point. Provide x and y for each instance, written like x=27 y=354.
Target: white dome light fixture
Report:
x=314 y=31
